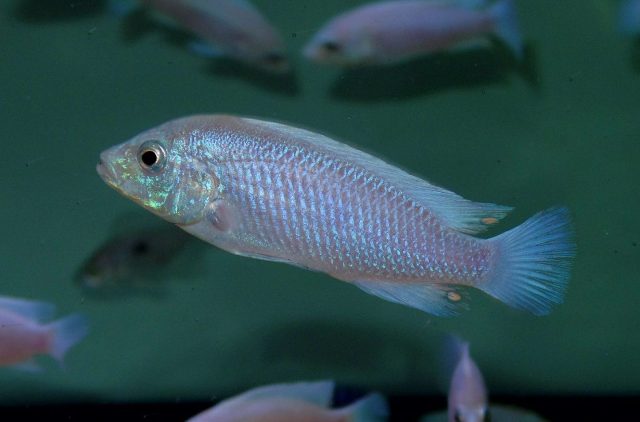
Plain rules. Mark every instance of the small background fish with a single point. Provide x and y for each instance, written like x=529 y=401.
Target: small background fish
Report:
x=24 y=334
x=294 y=402
x=137 y=261
x=226 y=28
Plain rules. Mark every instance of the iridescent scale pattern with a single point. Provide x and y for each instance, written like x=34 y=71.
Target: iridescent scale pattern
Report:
x=321 y=211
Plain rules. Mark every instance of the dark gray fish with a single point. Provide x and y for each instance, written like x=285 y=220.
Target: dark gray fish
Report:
x=137 y=259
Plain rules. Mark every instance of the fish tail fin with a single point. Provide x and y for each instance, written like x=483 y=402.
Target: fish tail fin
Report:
x=533 y=262
x=121 y=8
x=370 y=408
x=629 y=17
x=507 y=27
x=66 y=332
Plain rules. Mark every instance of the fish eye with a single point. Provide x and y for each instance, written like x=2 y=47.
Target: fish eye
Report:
x=274 y=59
x=457 y=417
x=151 y=156
x=331 y=46
x=486 y=416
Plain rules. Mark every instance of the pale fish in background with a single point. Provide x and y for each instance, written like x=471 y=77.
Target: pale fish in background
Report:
x=23 y=335
x=271 y=191
x=232 y=28
x=135 y=259
x=392 y=31
x=629 y=17
x=468 y=399
x=298 y=402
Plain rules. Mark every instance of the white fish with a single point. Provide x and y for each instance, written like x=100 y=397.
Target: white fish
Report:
x=391 y=31
x=23 y=336
x=298 y=402
x=468 y=399
x=233 y=28
x=276 y=192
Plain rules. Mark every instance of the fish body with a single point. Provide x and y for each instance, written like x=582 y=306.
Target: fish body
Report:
x=468 y=399
x=297 y=402
x=23 y=336
x=234 y=28
x=393 y=31
x=276 y=192
x=131 y=259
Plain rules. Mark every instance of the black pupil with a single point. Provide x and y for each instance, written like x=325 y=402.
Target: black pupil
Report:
x=331 y=46
x=149 y=158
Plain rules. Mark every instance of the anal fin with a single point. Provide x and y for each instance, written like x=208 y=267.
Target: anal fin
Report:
x=437 y=299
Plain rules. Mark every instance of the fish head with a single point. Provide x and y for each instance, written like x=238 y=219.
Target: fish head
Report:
x=339 y=44
x=162 y=170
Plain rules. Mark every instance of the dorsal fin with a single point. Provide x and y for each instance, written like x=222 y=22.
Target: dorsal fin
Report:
x=319 y=393
x=38 y=311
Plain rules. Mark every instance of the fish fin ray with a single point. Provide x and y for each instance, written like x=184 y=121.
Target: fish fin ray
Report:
x=629 y=17
x=32 y=309
x=455 y=211
x=66 y=333
x=533 y=262
x=428 y=297
x=506 y=26
x=471 y=44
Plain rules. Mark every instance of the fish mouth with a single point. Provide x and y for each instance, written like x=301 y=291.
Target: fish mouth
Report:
x=105 y=172
x=108 y=175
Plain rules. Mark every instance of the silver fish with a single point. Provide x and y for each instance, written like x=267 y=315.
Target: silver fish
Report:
x=233 y=28
x=271 y=191
x=296 y=402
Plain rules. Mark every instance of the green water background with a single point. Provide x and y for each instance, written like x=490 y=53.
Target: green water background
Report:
x=563 y=131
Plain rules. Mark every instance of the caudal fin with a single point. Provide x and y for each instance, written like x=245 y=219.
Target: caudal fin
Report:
x=629 y=18
x=533 y=262
x=507 y=28
x=66 y=332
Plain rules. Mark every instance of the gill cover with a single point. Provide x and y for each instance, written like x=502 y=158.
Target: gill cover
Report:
x=177 y=183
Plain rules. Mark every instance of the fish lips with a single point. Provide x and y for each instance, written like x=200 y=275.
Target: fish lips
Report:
x=110 y=177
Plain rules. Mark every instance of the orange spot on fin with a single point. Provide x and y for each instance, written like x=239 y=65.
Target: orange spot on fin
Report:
x=489 y=220
x=454 y=296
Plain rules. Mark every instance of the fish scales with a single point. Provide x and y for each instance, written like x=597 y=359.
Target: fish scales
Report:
x=271 y=191
x=377 y=232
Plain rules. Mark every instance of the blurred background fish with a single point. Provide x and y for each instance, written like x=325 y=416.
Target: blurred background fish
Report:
x=23 y=335
x=134 y=261
x=392 y=31
x=468 y=399
x=228 y=28
x=298 y=402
